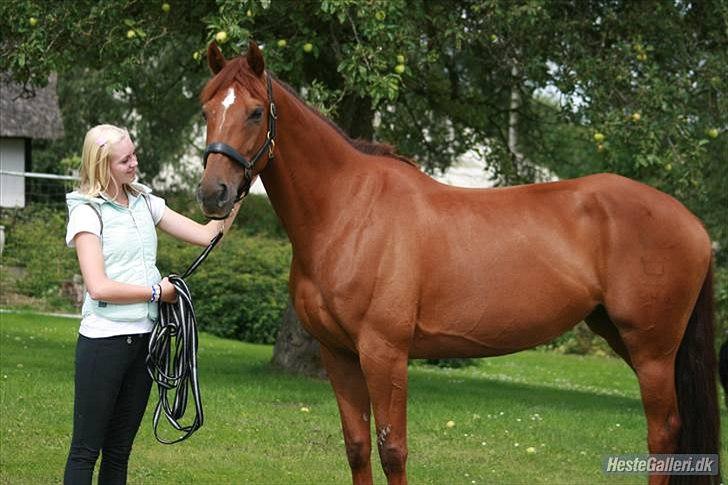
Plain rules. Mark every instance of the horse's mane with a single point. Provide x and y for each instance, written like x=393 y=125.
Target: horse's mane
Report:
x=236 y=70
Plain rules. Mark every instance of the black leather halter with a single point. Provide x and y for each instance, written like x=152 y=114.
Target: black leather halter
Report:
x=233 y=154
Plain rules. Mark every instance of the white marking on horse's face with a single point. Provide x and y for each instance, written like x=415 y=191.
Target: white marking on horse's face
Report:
x=226 y=103
x=229 y=99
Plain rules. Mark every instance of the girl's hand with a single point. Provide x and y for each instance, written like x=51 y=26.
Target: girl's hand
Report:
x=169 y=292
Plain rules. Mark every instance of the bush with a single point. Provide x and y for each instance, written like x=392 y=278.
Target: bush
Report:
x=453 y=363
x=35 y=241
x=241 y=290
x=580 y=340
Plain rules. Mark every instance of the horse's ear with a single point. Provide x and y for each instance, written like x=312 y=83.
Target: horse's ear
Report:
x=255 y=59
x=215 y=59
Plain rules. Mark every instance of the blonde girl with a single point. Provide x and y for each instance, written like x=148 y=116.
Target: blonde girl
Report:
x=112 y=224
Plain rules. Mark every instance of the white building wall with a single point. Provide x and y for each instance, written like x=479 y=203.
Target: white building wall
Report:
x=12 y=158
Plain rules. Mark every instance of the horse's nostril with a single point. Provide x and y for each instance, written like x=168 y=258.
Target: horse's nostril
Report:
x=222 y=195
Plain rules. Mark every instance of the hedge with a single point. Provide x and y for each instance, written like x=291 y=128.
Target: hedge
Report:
x=35 y=241
x=241 y=290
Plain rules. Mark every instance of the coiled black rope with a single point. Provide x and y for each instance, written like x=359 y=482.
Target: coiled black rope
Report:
x=172 y=359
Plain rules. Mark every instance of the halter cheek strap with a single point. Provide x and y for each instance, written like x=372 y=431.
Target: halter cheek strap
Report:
x=233 y=154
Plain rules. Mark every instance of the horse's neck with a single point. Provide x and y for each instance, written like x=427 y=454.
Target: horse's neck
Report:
x=311 y=170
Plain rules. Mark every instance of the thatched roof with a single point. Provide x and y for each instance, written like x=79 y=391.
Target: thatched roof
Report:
x=29 y=117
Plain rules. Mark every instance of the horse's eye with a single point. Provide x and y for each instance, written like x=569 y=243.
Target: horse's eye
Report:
x=256 y=115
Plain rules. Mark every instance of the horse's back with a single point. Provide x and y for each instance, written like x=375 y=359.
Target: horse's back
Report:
x=610 y=206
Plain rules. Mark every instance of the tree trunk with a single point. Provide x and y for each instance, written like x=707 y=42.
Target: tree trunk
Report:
x=356 y=116
x=522 y=167
x=513 y=118
x=295 y=350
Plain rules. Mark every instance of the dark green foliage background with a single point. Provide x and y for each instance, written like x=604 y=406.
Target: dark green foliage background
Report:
x=241 y=290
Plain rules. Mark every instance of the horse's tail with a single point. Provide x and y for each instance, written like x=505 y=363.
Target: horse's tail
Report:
x=724 y=370
x=695 y=378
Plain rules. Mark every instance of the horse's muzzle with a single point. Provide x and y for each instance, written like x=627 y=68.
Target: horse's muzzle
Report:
x=216 y=200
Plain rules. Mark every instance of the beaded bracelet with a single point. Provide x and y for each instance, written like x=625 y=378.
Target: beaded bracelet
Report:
x=156 y=294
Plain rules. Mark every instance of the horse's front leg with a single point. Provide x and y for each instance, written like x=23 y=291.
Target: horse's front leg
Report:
x=352 y=396
x=385 y=370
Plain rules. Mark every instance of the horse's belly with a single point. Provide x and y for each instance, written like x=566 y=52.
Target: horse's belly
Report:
x=451 y=346
x=494 y=324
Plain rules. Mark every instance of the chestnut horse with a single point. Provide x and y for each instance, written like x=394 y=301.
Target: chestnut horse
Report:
x=389 y=264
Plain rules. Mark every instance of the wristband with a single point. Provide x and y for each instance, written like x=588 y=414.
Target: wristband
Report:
x=156 y=294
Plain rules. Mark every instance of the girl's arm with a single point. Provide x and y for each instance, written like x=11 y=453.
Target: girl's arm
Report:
x=185 y=229
x=100 y=287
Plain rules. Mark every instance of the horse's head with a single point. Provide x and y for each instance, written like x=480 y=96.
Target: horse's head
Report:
x=238 y=106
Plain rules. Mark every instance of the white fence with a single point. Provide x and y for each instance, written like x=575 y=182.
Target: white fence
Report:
x=17 y=189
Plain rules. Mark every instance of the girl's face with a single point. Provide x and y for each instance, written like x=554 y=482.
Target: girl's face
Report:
x=123 y=164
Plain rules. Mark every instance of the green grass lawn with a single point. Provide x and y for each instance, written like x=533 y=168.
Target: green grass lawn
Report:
x=533 y=417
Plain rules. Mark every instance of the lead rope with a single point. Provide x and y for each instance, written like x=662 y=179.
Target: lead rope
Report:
x=172 y=359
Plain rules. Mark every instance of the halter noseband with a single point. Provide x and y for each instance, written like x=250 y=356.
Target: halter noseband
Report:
x=233 y=154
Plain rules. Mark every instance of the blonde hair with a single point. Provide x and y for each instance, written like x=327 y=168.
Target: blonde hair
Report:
x=95 y=159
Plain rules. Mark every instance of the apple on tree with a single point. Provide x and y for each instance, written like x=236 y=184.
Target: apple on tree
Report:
x=221 y=37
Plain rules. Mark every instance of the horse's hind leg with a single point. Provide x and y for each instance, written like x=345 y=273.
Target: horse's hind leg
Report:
x=352 y=396
x=651 y=337
x=656 y=376
x=657 y=387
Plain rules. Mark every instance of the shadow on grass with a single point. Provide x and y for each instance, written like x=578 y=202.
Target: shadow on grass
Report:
x=232 y=370
x=441 y=388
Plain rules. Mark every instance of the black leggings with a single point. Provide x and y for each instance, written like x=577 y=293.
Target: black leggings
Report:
x=112 y=390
